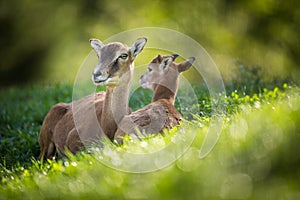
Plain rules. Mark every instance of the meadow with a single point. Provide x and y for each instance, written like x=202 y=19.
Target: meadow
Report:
x=254 y=149
x=257 y=155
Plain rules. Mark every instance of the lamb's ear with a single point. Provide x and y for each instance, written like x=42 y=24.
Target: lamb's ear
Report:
x=97 y=45
x=159 y=58
x=186 y=64
x=137 y=47
x=165 y=63
x=174 y=56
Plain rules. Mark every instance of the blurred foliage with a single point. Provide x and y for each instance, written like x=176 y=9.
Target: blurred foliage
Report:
x=48 y=40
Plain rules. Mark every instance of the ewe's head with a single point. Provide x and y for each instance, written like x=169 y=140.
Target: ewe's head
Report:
x=115 y=61
x=164 y=71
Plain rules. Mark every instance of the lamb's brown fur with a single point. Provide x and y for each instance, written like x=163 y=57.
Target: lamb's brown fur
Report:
x=151 y=119
x=163 y=78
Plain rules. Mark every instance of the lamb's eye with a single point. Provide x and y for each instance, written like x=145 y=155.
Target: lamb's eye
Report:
x=123 y=56
x=149 y=69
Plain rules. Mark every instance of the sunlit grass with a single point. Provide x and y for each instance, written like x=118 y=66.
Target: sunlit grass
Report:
x=256 y=156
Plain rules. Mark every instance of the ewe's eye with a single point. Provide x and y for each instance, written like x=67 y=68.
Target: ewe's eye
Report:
x=149 y=69
x=123 y=56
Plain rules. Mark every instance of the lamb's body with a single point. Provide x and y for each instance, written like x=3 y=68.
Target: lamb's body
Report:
x=163 y=78
x=151 y=119
x=161 y=107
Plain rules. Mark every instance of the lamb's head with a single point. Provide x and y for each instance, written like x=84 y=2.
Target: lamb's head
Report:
x=164 y=71
x=115 y=61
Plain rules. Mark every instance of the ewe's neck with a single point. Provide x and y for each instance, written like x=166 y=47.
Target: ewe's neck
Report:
x=115 y=107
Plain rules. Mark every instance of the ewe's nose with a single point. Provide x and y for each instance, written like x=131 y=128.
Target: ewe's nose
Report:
x=96 y=74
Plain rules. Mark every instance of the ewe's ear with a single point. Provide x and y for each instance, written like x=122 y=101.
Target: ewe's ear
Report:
x=165 y=63
x=97 y=45
x=186 y=64
x=137 y=47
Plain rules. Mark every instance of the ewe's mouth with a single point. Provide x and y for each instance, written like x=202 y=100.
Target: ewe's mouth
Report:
x=100 y=82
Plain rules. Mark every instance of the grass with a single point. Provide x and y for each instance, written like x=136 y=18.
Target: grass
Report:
x=22 y=113
x=257 y=155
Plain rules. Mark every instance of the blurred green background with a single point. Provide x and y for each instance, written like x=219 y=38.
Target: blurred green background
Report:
x=46 y=41
x=257 y=156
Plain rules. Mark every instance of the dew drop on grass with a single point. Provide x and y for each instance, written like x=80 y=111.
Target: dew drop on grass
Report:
x=144 y=144
x=257 y=104
x=74 y=164
x=66 y=163
x=273 y=108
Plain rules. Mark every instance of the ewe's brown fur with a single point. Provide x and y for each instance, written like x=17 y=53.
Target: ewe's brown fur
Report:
x=58 y=129
x=46 y=137
x=114 y=70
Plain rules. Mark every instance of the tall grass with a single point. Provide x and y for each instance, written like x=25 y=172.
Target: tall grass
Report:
x=256 y=156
